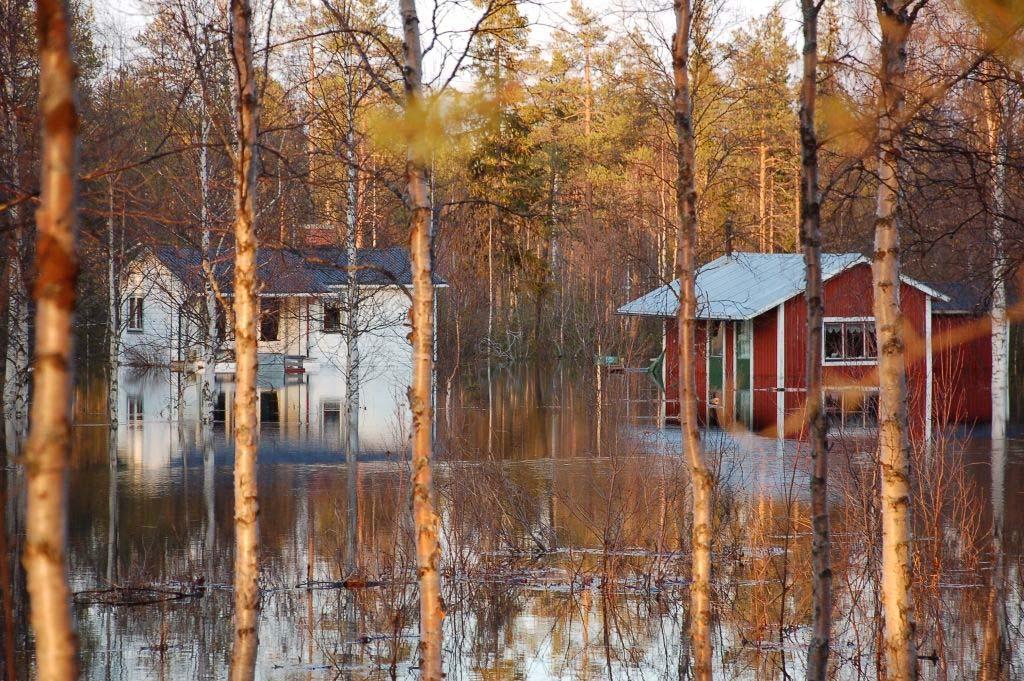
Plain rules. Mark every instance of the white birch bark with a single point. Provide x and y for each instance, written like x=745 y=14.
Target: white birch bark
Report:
x=997 y=139
x=898 y=643
x=113 y=308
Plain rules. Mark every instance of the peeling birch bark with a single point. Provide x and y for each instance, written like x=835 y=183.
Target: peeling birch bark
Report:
x=899 y=647
x=428 y=552
x=46 y=455
x=246 y=313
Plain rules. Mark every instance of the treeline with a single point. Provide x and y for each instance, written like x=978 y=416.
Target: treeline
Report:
x=552 y=161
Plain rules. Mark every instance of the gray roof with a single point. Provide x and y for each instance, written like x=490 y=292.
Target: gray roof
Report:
x=745 y=285
x=283 y=271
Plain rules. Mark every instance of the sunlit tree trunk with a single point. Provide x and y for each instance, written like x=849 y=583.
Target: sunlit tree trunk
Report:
x=246 y=314
x=810 y=238
x=428 y=552
x=46 y=455
x=997 y=139
x=893 y=441
x=686 y=205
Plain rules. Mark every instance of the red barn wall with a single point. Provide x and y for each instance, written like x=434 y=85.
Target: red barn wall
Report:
x=962 y=369
x=765 y=370
x=672 y=370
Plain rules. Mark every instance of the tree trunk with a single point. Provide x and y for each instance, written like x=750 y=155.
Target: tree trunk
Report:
x=428 y=552
x=686 y=205
x=998 y=148
x=893 y=442
x=246 y=313
x=46 y=455
x=352 y=341
x=762 y=192
x=210 y=335
x=817 y=427
x=16 y=349
x=113 y=308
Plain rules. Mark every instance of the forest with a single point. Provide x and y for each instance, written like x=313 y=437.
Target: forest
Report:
x=366 y=339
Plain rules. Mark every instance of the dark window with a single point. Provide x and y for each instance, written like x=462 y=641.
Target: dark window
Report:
x=331 y=422
x=270 y=412
x=332 y=318
x=135 y=313
x=717 y=341
x=850 y=340
x=222 y=323
x=852 y=409
x=270 y=319
x=220 y=408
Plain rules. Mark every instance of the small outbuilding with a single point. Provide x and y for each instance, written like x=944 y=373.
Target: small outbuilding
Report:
x=751 y=345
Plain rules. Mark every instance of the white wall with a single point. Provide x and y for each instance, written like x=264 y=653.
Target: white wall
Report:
x=162 y=298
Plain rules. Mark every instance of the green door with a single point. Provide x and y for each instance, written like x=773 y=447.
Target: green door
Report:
x=716 y=353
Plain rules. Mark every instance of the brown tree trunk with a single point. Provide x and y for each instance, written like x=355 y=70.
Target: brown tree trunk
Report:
x=46 y=455
x=817 y=427
x=246 y=313
x=428 y=552
x=893 y=442
x=686 y=205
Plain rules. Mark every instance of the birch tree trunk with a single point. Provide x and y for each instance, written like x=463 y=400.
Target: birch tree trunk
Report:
x=686 y=206
x=210 y=336
x=16 y=360
x=893 y=442
x=428 y=552
x=352 y=339
x=114 y=305
x=817 y=427
x=998 y=148
x=46 y=455
x=246 y=314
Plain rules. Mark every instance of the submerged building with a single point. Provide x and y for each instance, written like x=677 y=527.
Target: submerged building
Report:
x=752 y=335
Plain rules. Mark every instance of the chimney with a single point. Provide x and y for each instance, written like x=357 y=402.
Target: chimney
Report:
x=728 y=236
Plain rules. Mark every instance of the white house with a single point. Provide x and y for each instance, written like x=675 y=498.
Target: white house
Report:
x=303 y=301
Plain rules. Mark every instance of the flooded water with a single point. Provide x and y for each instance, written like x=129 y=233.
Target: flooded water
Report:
x=564 y=518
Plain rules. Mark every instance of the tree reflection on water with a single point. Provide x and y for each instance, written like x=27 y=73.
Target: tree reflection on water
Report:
x=565 y=554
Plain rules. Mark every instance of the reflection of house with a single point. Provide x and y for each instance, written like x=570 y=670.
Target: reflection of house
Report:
x=301 y=416
x=751 y=338
x=302 y=299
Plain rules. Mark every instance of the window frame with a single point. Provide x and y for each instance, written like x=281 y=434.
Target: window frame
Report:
x=340 y=311
x=135 y=313
x=268 y=312
x=869 y=329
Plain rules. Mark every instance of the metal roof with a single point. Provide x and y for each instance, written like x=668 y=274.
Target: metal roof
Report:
x=282 y=271
x=745 y=285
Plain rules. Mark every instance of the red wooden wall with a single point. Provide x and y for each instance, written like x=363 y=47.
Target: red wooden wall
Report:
x=962 y=368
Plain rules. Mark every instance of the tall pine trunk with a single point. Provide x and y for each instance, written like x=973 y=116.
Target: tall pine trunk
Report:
x=428 y=552
x=46 y=456
x=893 y=439
x=817 y=427
x=246 y=314
x=700 y=474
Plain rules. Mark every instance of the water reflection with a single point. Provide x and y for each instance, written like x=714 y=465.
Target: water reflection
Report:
x=564 y=550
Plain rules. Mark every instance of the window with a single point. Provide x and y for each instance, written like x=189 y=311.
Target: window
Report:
x=850 y=341
x=852 y=409
x=222 y=323
x=270 y=319
x=136 y=411
x=135 y=313
x=332 y=318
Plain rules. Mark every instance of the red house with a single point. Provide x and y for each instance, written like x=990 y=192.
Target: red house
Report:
x=751 y=341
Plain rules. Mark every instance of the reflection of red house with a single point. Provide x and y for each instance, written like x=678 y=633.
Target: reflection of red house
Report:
x=751 y=339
